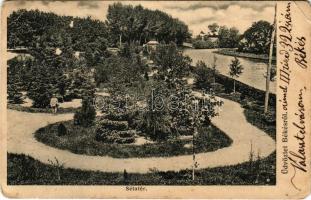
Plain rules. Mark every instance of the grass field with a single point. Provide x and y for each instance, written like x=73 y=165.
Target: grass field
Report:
x=24 y=170
x=81 y=140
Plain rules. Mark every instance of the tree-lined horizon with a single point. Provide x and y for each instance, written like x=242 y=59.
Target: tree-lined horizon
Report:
x=126 y=27
x=34 y=28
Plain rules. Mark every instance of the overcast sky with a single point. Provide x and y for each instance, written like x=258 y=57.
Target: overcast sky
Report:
x=196 y=14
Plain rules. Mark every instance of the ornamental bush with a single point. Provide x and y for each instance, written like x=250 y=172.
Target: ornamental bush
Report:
x=127 y=133
x=61 y=129
x=124 y=140
x=14 y=94
x=113 y=125
x=118 y=116
x=270 y=118
x=86 y=115
x=102 y=133
x=114 y=136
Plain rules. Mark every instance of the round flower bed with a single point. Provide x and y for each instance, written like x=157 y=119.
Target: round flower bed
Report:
x=82 y=140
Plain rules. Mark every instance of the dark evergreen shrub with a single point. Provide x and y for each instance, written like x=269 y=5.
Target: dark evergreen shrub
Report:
x=117 y=116
x=128 y=133
x=236 y=96
x=146 y=76
x=114 y=132
x=114 y=125
x=113 y=136
x=14 y=95
x=61 y=129
x=124 y=140
x=270 y=118
x=41 y=94
x=86 y=115
x=102 y=134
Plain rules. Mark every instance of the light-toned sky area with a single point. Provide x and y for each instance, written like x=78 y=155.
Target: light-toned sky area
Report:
x=196 y=14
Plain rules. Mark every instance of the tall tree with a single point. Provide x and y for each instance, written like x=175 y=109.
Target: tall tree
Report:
x=256 y=39
x=42 y=88
x=213 y=28
x=228 y=37
x=172 y=64
x=131 y=24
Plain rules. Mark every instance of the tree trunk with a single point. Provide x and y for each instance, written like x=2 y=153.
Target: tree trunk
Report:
x=233 y=85
x=269 y=65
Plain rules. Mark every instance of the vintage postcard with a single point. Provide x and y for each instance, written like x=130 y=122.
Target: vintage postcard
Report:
x=155 y=99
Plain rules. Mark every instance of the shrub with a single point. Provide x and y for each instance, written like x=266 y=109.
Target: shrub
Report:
x=117 y=116
x=61 y=129
x=124 y=140
x=86 y=115
x=127 y=133
x=183 y=130
x=204 y=75
x=217 y=87
x=253 y=105
x=101 y=133
x=113 y=125
x=114 y=136
x=270 y=118
x=14 y=94
x=236 y=96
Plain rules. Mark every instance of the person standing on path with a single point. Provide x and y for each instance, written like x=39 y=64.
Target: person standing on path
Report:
x=54 y=104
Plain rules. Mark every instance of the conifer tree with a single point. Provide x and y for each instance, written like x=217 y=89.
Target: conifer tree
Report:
x=86 y=115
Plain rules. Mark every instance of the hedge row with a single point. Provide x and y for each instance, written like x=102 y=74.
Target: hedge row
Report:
x=244 y=89
x=112 y=125
x=117 y=116
x=114 y=136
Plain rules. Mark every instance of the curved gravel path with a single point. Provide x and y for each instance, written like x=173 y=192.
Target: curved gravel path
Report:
x=22 y=125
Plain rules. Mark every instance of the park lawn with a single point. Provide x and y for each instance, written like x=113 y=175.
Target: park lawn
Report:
x=81 y=140
x=24 y=170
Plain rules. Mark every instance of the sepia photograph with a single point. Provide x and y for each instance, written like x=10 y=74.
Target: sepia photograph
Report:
x=138 y=93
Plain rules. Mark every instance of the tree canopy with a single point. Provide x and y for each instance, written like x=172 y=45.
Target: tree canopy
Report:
x=141 y=25
x=228 y=37
x=32 y=28
x=225 y=37
x=256 y=39
x=213 y=28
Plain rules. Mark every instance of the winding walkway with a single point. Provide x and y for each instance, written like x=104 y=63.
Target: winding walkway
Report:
x=22 y=125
